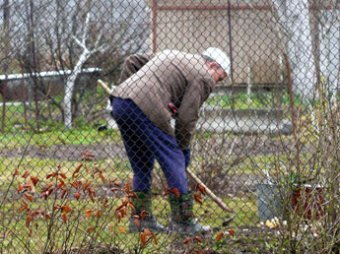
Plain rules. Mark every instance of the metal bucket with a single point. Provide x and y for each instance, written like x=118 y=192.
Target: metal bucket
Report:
x=269 y=202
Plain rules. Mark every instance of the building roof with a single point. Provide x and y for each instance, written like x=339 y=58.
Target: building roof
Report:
x=44 y=74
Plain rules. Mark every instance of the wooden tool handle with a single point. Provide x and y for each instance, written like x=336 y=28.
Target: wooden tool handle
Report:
x=216 y=199
x=104 y=86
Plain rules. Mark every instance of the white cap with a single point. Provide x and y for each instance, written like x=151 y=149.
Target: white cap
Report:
x=219 y=56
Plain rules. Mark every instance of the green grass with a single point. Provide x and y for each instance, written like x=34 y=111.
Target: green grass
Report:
x=18 y=133
x=114 y=232
x=50 y=116
x=21 y=138
x=118 y=169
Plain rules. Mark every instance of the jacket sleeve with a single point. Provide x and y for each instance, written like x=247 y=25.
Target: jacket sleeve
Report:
x=188 y=113
x=132 y=64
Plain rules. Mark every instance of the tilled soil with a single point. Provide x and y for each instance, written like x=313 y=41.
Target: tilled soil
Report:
x=243 y=145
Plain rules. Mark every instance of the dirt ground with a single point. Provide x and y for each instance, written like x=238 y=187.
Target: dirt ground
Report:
x=246 y=145
x=243 y=147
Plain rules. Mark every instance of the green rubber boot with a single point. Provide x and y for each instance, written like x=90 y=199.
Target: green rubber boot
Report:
x=182 y=216
x=143 y=203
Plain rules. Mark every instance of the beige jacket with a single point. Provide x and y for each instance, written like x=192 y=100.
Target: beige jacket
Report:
x=170 y=77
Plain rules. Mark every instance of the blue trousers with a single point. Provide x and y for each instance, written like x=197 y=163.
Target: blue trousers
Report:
x=144 y=142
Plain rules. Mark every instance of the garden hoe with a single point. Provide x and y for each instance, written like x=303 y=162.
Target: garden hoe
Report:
x=198 y=181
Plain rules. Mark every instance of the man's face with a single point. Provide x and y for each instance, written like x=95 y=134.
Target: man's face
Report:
x=217 y=72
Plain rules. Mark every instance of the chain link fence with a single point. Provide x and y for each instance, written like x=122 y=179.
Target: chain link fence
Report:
x=189 y=160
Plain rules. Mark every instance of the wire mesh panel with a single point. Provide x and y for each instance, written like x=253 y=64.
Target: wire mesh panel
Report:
x=161 y=126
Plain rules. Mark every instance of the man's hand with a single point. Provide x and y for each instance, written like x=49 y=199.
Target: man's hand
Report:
x=187 y=155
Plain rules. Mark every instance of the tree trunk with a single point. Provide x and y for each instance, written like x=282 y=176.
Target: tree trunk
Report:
x=7 y=46
x=69 y=88
x=7 y=40
x=316 y=39
x=33 y=62
x=294 y=19
x=330 y=50
x=3 y=115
